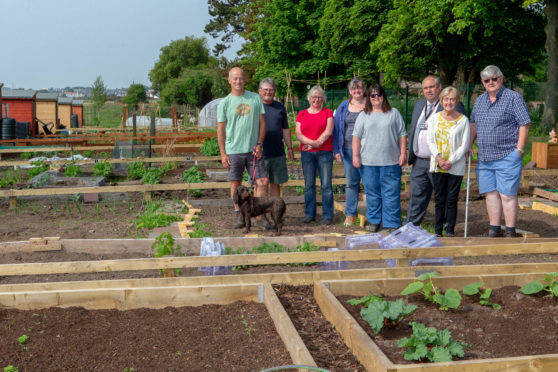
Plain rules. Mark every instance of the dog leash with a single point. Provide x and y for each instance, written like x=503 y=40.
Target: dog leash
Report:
x=253 y=169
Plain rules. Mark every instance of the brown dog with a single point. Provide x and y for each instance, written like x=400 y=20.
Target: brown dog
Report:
x=251 y=206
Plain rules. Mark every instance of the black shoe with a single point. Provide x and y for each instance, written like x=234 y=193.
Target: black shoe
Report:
x=308 y=219
x=239 y=221
x=326 y=222
x=375 y=227
x=492 y=234
x=512 y=234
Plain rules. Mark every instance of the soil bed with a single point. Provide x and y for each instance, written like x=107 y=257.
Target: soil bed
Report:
x=235 y=337
x=525 y=325
x=322 y=340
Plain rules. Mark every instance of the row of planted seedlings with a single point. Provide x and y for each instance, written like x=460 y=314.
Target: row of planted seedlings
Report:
x=392 y=322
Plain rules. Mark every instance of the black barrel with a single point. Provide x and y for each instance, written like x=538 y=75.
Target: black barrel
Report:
x=8 y=128
x=22 y=129
x=74 y=122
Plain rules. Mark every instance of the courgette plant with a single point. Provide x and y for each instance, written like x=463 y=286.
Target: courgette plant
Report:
x=451 y=299
x=476 y=288
x=549 y=284
x=379 y=313
x=431 y=344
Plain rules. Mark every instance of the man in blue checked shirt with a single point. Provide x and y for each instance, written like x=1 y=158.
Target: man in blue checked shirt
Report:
x=500 y=122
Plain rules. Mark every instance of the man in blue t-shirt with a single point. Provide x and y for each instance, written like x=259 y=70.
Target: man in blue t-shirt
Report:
x=277 y=132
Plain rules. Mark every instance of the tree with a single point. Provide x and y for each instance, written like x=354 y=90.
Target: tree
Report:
x=550 y=114
x=135 y=94
x=186 y=74
x=457 y=38
x=98 y=96
x=228 y=20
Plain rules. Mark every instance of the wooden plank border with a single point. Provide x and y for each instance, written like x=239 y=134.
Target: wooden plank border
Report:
x=374 y=359
x=286 y=329
x=291 y=278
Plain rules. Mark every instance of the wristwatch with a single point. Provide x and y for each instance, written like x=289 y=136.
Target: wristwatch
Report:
x=520 y=150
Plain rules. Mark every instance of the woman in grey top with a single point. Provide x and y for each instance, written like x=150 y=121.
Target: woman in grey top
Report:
x=345 y=117
x=379 y=144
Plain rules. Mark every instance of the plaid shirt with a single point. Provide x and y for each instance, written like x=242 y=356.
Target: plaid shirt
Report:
x=498 y=123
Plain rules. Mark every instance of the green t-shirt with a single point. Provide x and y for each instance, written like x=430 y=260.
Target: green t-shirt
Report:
x=242 y=115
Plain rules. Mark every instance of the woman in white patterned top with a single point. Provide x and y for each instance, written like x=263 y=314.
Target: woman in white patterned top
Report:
x=448 y=141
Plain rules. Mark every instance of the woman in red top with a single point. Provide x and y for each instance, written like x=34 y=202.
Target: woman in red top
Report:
x=314 y=129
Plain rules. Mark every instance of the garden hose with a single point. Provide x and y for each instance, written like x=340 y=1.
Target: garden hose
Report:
x=282 y=368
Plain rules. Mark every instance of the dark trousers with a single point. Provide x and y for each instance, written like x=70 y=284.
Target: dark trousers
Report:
x=446 y=194
x=421 y=191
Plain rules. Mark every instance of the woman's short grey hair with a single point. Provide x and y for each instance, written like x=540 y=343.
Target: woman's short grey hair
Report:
x=447 y=91
x=489 y=72
x=314 y=89
x=269 y=81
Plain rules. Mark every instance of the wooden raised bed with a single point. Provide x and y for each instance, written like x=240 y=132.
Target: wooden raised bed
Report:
x=370 y=355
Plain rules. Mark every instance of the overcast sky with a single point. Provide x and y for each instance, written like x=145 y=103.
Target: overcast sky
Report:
x=59 y=43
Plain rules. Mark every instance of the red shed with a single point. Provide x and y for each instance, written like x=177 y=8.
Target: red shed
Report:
x=22 y=106
x=77 y=108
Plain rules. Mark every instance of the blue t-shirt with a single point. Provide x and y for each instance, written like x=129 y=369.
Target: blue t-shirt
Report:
x=275 y=122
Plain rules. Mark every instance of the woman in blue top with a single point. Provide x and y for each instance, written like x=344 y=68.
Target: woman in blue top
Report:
x=345 y=118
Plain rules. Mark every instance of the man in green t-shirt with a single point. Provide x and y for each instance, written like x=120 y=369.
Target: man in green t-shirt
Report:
x=241 y=132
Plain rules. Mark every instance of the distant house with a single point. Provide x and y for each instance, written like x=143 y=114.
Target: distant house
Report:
x=47 y=109
x=65 y=111
x=77 y=108
x=21 y=105
x=1 y=105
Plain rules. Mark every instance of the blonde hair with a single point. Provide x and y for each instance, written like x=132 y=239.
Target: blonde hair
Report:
x=447 y=91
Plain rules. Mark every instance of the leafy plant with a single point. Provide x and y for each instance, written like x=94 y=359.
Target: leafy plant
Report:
x=450 y=299
x=475 y=288
x=201 y=230
x=39 y=166
x=431 y=344
x=136 y=170
x=152 y=176
x=305 y=247
x=75 y=200
x=102 y=169
x=11 y=178
x=151 y=218
x=193 y=175
x=10 y=368
x=365 y=301
x=88 y=153
x=72 y=170
x=210 y=147
x=22 y=339
x=550 y=285
x=244 y=322
x=26 y=155
x=164 y=246
x=261 y=248
x=104 y=154
x=389 y=313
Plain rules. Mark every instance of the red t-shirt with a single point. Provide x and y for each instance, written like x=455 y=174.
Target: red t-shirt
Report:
x=313 y=125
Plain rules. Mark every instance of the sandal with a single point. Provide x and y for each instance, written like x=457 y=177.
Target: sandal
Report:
x=349 y=221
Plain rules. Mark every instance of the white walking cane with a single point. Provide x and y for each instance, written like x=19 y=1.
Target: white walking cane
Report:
x=467 y=199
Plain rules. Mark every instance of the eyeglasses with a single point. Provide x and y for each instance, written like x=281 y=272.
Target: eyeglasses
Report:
x=356 y=87
x=268 y=90
x=317 y=98
x=486 y=81
x=375 y=95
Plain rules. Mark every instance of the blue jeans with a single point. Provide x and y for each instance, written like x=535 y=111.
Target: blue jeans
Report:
x=382 y=185
x=352 y=175
x=322 y=162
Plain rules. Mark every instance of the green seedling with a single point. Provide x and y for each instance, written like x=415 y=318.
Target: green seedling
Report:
x=151 y=219
x=88 y=153
x=429 y=344
x=39 y=166
x=10 y=368
x=449 y=300
x=152 y=176
x=388 y=313
x=22 y=340
x=75 y=200
x=549 y=284
x=475 y=288
x=261 y=248
x=201 y=230
x=247 y=328
x=364 y=301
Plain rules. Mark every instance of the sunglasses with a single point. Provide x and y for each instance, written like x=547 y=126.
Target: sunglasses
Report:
x=374 y=95
x=486 y=81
